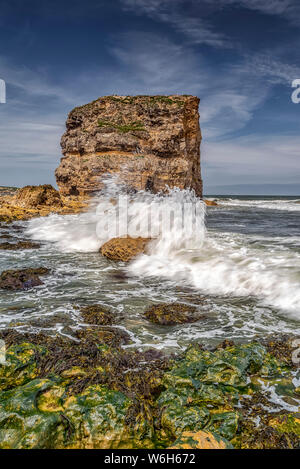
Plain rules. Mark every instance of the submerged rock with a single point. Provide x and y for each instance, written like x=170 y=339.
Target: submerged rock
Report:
x=114 y=337
x=171 y=314
x=97 y=314
x=20 y=245
x=22 y=279
x=124 y=249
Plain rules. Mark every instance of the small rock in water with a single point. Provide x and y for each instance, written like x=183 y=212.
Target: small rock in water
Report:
x=22 y=279
x=171 y=314
x=124 y=249
x=19 y=246
x=97 y=314
x=210 y=203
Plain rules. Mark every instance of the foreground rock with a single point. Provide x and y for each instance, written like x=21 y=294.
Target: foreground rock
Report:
x=60 y=394
x=22 y=279
x=200 y=440
x=171 y=314
x=56 y=393
x=124 y=249
x=152 y=141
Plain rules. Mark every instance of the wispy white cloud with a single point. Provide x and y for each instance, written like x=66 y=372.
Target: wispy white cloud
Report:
x=252 y=159
x=173 y=12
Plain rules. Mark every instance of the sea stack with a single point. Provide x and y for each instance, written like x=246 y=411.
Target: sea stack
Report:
x=153 y=142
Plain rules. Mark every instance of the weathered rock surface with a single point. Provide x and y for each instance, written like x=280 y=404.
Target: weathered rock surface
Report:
x=124 y=249
x=200 y=440
x=22 y=279
x=97 y=314
x=35 y=196
x=171 y=314
x=33 y=201
x=56 y=393
x=153 y=140
x=20 y=245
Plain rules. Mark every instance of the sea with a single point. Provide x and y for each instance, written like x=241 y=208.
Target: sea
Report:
x=238 y=263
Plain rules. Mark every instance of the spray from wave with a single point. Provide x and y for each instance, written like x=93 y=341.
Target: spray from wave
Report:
x=181 y=249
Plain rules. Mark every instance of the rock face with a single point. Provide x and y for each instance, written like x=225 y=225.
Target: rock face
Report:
x=154 y=141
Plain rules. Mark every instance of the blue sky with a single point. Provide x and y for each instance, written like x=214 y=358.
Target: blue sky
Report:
x=239 y=56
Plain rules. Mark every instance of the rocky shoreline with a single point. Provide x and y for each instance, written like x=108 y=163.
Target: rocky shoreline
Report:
x=92 y=393
x=97 y=390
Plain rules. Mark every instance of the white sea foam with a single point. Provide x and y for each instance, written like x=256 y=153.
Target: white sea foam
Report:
x=290 y=205
x=213 y=263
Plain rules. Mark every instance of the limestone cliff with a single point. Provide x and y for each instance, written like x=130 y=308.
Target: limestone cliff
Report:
x=152 y=141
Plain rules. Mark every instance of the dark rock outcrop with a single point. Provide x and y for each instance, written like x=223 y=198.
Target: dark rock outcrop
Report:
x=154 y=141
x=22 y=279
x=20 y=245
x=171 y=314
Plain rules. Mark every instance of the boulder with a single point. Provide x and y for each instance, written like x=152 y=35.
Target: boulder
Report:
x=97 y=314
x=22 y=279
x=124 y=249
x=36 y=196
x=171 y=314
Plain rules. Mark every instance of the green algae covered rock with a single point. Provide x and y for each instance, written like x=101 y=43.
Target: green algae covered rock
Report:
x=213 y=391
x=40 y=414
x=95 y=394
x=20 y=365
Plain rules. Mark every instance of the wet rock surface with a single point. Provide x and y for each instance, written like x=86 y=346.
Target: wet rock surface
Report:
x=19 y=246
x=24 y=279
x=172 y=314
x=58 y=393
x=97 y=314
x=124 y=249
